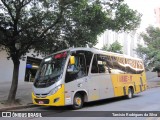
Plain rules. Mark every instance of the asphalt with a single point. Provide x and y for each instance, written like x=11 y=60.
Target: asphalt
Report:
x=25 y=88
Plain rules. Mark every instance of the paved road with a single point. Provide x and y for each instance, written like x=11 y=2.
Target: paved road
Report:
x=145 y=101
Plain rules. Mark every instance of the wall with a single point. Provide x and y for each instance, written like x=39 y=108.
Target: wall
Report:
x=6 y=67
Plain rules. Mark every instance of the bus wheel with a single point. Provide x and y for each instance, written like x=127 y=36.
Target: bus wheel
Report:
x=77 y=101
x=130 y=93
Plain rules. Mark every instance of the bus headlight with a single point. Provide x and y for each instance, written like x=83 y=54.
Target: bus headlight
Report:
x=54 y=90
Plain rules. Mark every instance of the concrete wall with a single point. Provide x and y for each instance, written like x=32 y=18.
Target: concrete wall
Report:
x=6 y=67
x=151 y=75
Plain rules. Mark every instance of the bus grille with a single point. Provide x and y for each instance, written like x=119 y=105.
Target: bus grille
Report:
x=41 y=95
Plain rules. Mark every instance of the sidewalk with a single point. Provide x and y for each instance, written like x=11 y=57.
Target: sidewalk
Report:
x=23 y=95
x=154 y=82
x=25 y=89
x=152 y=79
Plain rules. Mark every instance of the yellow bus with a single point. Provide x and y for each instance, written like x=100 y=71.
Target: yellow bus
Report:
x=77 y=75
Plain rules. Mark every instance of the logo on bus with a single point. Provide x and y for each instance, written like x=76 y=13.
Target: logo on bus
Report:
x=125 y=78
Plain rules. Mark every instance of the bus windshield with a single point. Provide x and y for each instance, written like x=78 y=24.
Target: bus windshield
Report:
x=50 y=70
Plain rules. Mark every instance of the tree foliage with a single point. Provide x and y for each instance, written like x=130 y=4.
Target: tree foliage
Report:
x=50 y=25
x=114 y=47
x=150 y=52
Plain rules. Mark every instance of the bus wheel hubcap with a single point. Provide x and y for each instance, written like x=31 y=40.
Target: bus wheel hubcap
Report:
x=78 y=101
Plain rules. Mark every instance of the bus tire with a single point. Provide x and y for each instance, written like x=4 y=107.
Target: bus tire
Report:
x=130 y=93
x=77 y=101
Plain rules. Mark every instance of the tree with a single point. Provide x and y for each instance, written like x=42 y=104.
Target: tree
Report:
x=27 y=24
x=51 y=25
x=114 y=47
x=150 y=52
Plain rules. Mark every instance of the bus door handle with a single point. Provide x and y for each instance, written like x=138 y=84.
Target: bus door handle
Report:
x=79 y=85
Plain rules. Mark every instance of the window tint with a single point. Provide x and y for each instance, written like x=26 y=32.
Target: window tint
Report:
x=108 y=64
x=94 y=68
x=88 y=56
x=118 y=64
x=100 y=64
x=82 y=63
x=126 y=65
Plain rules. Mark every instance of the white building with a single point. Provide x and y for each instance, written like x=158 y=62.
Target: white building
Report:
x=157 y=16
x=129 y=41
x=6 y=67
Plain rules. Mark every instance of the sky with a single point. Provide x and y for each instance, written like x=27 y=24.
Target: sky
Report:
x=146 y=8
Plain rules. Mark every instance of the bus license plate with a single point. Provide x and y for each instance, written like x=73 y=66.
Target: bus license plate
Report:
x=40 y=102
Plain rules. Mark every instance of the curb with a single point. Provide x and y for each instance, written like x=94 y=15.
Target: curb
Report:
x=154 y=86
x=18 y=107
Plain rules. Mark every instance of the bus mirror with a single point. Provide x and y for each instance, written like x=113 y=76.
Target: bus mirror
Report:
x=72 y=60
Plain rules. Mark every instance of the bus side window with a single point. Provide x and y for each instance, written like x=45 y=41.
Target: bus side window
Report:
x=117 y=68
x=81 y=69
x=102 y=64
x=109 y=63
x=88 y=56
x=94 y=68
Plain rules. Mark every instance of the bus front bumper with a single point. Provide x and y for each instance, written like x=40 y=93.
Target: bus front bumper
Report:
x=56 y=99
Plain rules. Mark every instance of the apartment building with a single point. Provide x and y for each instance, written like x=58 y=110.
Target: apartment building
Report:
x=129 y=40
